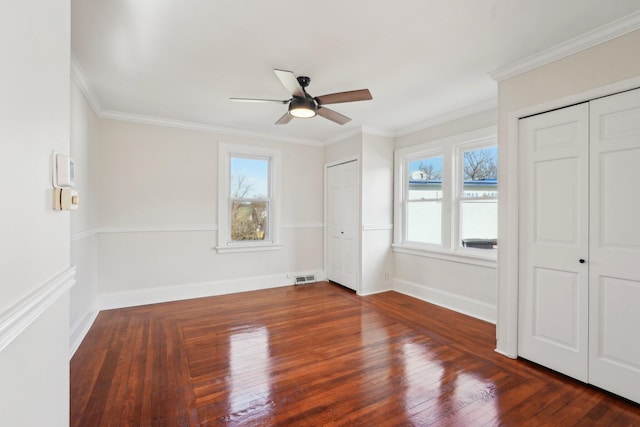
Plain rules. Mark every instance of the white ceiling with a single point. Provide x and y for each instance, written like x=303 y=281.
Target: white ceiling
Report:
x=182 y=60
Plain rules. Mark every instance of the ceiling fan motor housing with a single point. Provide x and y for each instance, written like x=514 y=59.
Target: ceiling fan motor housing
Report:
x=303 y=107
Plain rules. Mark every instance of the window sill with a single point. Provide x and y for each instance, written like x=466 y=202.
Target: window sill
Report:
x=464 y=257
x=250 y=247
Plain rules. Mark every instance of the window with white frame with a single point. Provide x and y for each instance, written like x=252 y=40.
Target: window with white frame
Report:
x=477 y=197
x=248 y=198
x=446 y=196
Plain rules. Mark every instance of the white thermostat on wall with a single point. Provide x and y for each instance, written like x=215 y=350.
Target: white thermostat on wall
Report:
x=64 y=173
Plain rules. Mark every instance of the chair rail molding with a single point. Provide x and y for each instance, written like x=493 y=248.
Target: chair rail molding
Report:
x=18 y=317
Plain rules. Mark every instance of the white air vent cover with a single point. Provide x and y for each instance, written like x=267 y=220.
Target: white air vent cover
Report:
x=301 y=280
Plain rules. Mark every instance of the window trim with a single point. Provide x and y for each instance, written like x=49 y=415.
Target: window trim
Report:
x=274 y=155
x=450 y=148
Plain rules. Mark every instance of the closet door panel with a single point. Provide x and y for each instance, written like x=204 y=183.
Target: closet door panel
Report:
x=553 y=284
x=614 y=252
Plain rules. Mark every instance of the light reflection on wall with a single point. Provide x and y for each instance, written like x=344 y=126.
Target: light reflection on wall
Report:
x=250 y=368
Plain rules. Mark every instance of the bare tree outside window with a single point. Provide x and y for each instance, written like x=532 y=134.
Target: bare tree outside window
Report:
x=249 y=206
x=430 y=172
x=240 y=187
x=480 y=164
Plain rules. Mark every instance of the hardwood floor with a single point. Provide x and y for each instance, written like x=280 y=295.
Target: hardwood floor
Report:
x=316 y=355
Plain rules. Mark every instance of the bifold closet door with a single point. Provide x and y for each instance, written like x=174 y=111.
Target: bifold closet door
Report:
x=553 y=208
x=614 y=260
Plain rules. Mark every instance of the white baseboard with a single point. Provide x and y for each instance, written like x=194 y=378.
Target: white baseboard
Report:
x=191 y=290
x=18 y=317
x=80 y=329
x=379 y=291
x=459 y=303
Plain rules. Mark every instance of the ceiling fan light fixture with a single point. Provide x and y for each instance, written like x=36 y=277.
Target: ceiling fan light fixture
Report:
x=303 y=108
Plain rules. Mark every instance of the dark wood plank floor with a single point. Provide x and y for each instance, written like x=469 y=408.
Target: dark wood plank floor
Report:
x=316 y=355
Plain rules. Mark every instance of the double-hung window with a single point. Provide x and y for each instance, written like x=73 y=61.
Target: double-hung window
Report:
x=248 y=198
x=446 y=197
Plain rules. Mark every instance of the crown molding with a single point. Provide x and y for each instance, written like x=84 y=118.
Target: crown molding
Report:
x=344 y=136
x=81 y=79
x=378 y=132
x=577 y=44
x=79 y=76
x=202 y=127
x=485 y=105
x=361 y=130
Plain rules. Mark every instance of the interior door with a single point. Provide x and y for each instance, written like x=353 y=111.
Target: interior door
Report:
x=342 y=210
x=554 y=233
x=614 y=260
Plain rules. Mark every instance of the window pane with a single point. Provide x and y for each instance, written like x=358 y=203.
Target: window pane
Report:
x=249 y=178
x=479 y=217
x=479 y=224
x=480 y=173
x=424 y=207
x=424 y=222
x=425 y=179
x=249 y=220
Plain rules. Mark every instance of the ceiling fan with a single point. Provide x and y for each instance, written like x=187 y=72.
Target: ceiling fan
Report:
x=302 y=105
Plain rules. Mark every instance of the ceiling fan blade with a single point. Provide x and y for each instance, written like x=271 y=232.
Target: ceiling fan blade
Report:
x=277 y=101
x=349 y=96
x=290 y=82
x=286 y=118
x=334 y=116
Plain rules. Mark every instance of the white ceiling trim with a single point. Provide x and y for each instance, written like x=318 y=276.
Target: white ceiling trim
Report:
x=79 y=76
x=577 y=44
x=201 y=127
x=378 y=132
x=344 y=136
x=360 y=131
x=485 y=105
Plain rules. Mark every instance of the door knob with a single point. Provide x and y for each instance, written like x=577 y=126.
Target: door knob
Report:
x=582 y=261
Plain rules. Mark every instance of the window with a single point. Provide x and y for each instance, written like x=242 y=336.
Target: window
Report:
x=478 y=197
x=248 y=208
x=250 y=199
x=446 y=197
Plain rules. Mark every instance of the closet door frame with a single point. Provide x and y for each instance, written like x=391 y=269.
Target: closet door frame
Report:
x=358 y=225
x=508 y=201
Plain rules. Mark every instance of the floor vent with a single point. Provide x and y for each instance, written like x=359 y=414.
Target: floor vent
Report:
x=301 y=280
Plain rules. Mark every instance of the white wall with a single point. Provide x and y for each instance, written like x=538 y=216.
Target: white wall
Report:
x=459 y=285
x=377 y=213
x=158 y=216
x=598 y=71
x=84 y=248
x=34 y=248
x=375 y=155
x=348 y=148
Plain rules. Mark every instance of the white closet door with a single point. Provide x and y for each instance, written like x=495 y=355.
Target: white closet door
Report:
x=614 y=260
x=554 y=206
x=342 y=209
